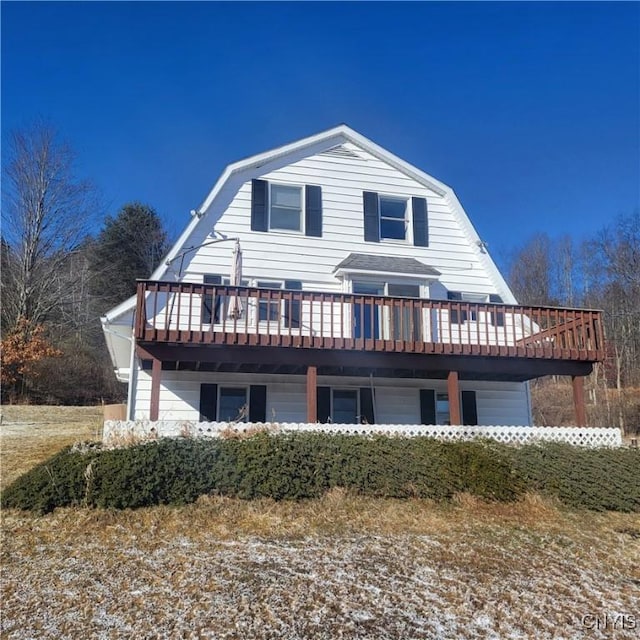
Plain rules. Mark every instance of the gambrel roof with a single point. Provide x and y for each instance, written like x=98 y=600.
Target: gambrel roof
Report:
x=243 y=170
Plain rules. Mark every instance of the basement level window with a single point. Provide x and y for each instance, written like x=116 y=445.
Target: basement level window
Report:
x=442 y=408
x=345 y=406
x=233 y=404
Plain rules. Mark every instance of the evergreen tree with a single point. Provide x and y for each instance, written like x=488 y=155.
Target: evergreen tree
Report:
x=129 y=246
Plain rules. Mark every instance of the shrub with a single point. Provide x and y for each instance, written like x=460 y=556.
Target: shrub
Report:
x=57 y=482
x=305 y=465
x=596 y=479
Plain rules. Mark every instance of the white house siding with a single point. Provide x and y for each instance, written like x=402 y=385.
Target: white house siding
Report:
x=279 y=255
x=282 y=255
x=397 y=400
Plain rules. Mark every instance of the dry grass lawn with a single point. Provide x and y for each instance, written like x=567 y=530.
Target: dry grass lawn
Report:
x=31 y=434
x=339 y=567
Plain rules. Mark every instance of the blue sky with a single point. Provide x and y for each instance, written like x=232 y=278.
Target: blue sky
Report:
x=530 y=111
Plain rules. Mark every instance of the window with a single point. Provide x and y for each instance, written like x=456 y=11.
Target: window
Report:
x=210 y=310
x=345 y=406
x=226 y=300
x=216 y=309
x=388 y=218
x=461 y=316
x=285 y=208
x=393 y=218
x=406 y=322
x=442 y=408
x=280 y=207
x=286 y=308
x=400 y=323
x=233 y=405
x=268 y=310
x=366 y=317
x=496 y=319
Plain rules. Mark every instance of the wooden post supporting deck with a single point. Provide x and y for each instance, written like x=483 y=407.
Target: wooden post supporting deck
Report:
x=312 y=397
x=578 y=400
x=156 y=373
x=454 y=398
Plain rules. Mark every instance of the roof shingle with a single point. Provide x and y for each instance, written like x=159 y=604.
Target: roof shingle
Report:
x=385 y=264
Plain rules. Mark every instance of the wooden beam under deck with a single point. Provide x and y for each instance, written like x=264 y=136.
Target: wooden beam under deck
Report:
x=312 y=398
x=335 y=362
x=453 y=391
x=156 y=374
x=577 y=383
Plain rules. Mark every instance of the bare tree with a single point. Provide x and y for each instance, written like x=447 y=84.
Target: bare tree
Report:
x=530 y=274
x=45 y=212
x=617 y=250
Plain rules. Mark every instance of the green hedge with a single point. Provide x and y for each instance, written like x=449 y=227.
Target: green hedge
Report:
x=597 y=479
x=305 y=465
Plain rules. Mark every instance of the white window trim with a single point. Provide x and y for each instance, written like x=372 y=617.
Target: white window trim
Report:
x=384 y=314
x=258 y=284
x=301 y=187
x=386 y=280
x=408 y=213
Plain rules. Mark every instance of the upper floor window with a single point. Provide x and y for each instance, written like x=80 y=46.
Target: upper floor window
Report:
x=393 y=218
x=285 y=208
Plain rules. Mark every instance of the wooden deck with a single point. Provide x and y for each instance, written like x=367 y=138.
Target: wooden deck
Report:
x=203 y=327
x=189 y=314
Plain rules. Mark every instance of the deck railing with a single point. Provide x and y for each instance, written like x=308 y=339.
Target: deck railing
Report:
x=193 y=313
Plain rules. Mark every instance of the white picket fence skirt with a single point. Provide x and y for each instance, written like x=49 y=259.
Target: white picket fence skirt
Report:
x=132 y=430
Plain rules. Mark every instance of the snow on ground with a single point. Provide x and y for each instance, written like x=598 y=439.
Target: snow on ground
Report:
x=495 y=582
x=339 y=567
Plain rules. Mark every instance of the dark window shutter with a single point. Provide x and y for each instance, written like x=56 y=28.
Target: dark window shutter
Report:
x=258 y=403
x=323 y=397
x=366 y=406
x=292 y=308
x=259 y=212
x=313 y=211
x=211 y=308
x=420 y=222
x=371 y=216
x=427 y=406
x=469 y=408
x=208 y=402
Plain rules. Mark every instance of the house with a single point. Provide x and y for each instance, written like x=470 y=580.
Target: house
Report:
x=365 y=296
